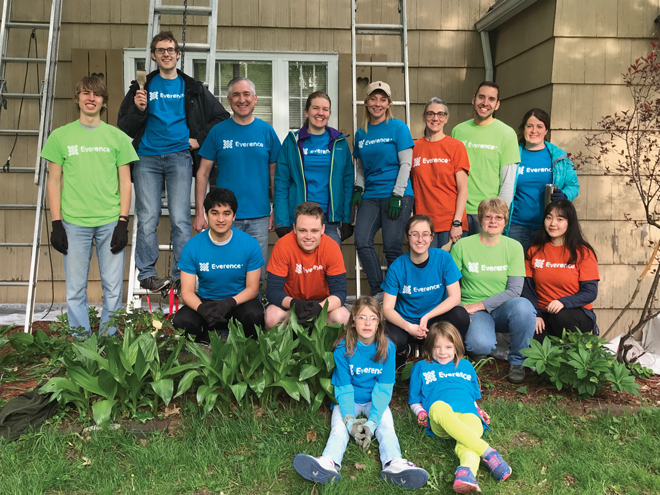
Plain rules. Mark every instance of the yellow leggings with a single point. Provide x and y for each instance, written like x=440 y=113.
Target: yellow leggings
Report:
x=465 y=428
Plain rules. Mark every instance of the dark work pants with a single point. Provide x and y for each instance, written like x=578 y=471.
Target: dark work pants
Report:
x=250 y=314
x=570 y=319
x=457 y=316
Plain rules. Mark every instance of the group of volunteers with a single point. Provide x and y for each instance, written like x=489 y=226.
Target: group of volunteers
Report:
x=494 y=241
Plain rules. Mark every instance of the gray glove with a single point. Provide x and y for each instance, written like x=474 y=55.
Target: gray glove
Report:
x=365 y=434
x=353 y=425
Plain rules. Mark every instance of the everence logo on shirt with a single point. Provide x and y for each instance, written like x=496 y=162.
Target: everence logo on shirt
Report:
x=481 y=146
x=365 y=371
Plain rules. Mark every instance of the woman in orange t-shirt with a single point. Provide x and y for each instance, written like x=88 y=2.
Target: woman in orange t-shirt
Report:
x=439 y=176
x=562 y=274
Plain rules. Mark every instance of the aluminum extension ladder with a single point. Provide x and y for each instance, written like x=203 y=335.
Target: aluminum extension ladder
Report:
x=156 y=9
x=45 y=99
x=370 y=30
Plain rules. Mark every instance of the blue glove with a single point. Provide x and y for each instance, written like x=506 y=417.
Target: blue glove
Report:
x=558 y=194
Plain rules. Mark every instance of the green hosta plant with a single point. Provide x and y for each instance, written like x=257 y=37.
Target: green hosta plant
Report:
x=579 y=361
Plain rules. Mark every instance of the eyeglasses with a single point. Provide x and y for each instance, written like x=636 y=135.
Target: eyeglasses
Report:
x=430 y=115
x=363 y=319
x=499 y=218
x=170 y=50
x=423 y=235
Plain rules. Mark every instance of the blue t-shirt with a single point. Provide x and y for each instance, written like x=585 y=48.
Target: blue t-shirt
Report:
x=534 y=172
x=243 y=153
x=361 y=371
x=419 y=290
x=378 y=150
x=221 y=270
x=456 y=385
x=166 y=130
x=317 y=168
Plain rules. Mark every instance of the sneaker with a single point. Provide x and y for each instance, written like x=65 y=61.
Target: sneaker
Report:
x=176 y=287
x=154 y=284
x=464 y=481
x=516 y=373
x=317 y=469
x=405 y=474
x=500 y=469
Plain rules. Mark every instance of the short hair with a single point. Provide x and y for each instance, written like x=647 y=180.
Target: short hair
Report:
x=164 y=36
x=447 y=331
x=219 y=196
x=309 y=208
x=542 y=115
x=231 y=83
x=94 y=84
x=489 y=84
x=495 y=204
x=420 y=218
x=437 y=101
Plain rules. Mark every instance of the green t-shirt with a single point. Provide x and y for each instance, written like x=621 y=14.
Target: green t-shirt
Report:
x=486 y=269
x=89 y=160
x=489 y=148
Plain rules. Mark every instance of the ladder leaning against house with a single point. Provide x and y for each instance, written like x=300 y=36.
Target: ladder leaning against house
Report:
x=10 y=100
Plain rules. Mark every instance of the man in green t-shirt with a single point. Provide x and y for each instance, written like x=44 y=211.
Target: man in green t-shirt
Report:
x=89 y=191
x=492 y=148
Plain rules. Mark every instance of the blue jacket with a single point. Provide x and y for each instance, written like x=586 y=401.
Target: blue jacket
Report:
x=564 y=176
x=290 y=184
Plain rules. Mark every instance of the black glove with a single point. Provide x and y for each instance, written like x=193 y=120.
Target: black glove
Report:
x=558 y=194
x=314 y=308
x=215 y=312
x=298 y=306
x=345 y=231
x=58 y=237
x=282 y=231
x=119 y=237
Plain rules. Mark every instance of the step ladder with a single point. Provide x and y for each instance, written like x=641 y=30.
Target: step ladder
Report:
x=156 y=9
x=400 y=30
x=8 y=96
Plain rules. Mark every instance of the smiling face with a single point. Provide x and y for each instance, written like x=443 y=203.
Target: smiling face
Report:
x=535 y=133
x=493 y=222
x=90 y=103
x=220 y=219
x=308 y=230
x=485 y=102
x=555 y=225
x=318 y=115
x=168 y=59
x=435 y=117
x=241 y=99
x=443 y=350
x=377 y=105
x=366 y=325
x=419 y=237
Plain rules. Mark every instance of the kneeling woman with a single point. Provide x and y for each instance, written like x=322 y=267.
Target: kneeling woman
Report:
x=493 y=268
x=562 y=274
x=421 y=288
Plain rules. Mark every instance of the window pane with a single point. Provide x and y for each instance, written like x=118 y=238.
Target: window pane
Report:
x=304 y=79
x=199 y=73
x=261 y=74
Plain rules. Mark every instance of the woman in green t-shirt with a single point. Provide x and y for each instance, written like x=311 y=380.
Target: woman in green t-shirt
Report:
x=493 y=269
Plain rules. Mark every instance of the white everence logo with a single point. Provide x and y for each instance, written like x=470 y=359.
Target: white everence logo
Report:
x=417 y=161
x=473 y=267
x=73 y=150
x=521 y=170
x=304 y=151
x=203 y=267
x=227 y=144
x=361 y=143
x=406 y=289
x=539 y=263
x=298 y=269
x=153 y=95
x=429 y=377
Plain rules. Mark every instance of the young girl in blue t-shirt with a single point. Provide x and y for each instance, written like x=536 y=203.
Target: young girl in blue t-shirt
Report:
x=363 y=381
x=443 y=391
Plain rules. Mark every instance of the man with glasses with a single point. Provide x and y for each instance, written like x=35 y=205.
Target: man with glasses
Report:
x=492 y=147
x=305 y=271
x=168 y=120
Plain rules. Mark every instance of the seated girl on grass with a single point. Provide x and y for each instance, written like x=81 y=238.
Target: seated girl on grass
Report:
x=443 y=391
x=363 y=379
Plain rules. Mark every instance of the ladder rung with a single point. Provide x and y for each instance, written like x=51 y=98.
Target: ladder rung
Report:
x=15 y=244
x=20 y=170
x=163 y=247
x=380 y=29
x=18 y=207
x=379 y=64
x=179 y=9
x=395 y=103
x=28 y=25
x=139 y=291
x=14 y=284
x=196 y=47
x=20 y=132
x=24 y=60
x=20 y=95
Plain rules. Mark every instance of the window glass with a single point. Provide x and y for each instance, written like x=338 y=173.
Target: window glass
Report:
x=304 y=79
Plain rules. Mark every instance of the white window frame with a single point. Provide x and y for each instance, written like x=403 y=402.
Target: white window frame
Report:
x=280 y=67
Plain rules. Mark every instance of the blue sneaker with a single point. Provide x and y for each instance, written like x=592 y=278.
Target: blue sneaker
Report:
x=317 y=469
x=405 y=474
x=464 y=481
x=500 y=469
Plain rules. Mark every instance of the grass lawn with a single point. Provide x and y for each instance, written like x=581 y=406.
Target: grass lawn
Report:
x=550 y=450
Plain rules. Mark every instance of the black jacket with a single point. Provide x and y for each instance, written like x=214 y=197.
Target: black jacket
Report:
x=203 y=111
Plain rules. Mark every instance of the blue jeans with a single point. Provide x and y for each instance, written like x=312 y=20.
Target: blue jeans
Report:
x=332 y=231
x=371 y=217
x=524 y=235
x=76 y=271
x=442 y=238
x=516 y=316
x=474 y=227
x=388 y=443
x=148 y=176
x=257 y=228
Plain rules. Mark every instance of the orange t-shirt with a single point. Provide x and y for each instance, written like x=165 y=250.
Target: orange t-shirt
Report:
x=553 y=278
x=433 y=177
x=306 y=272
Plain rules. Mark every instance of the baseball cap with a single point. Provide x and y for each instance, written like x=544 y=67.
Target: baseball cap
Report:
x=383 y=86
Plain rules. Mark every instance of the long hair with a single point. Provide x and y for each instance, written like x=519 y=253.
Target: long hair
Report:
x=573 y=239
x=315 y=94
x=542 y=115
x=367 y=116
x=437 y=101
x=447 y=331
x=351 y=336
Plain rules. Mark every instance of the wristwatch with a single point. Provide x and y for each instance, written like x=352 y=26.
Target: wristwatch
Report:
x=457 y=223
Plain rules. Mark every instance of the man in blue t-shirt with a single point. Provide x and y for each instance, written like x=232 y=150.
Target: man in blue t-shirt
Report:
x=227 y=263
x=245 y=149
x=168 y=120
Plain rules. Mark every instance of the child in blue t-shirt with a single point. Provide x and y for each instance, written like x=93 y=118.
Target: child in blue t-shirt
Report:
x=443 y=391
x=363 y=379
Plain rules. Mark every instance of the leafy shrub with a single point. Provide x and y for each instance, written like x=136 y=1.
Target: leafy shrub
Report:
x=579 y=361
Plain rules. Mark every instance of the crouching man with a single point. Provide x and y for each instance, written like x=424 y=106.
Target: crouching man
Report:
x=227 y=263
x=306 y=269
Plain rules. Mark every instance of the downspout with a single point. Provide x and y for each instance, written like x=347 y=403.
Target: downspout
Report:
x=488 y=56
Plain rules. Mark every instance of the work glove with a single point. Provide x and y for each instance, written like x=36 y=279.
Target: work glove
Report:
x=558 y=194
x=119 y=237
x=357 y=196
x=345 y=231
x=215 y=312
x=282 y=231
x=58 y=237
x=423 y=419
x=306 y=310
x=367 y=431
x=353 y=424
x=394 y=207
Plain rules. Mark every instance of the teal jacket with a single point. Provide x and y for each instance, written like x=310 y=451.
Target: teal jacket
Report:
x=291 y=186
x=564 y=175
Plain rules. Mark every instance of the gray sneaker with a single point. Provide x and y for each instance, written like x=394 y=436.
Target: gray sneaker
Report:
x=516 y=373
x=154 y=284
